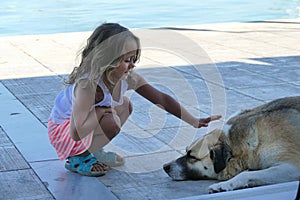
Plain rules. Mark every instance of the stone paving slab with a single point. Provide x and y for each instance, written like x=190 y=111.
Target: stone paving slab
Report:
x=65 y=185
x=22 y=184
x=257 y=62
x=17 y=179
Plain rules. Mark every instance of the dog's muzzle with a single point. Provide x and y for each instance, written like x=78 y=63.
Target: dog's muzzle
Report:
x=167 y=167
x=174 y=171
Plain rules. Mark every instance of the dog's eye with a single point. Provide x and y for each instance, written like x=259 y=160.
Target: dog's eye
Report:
x=191 y=158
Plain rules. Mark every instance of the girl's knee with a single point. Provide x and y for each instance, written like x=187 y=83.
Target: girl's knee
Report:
x=127 y=104
x=110 y=125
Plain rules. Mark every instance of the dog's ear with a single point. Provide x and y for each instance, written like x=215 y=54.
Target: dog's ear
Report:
x=202 y=146
x=220 y=155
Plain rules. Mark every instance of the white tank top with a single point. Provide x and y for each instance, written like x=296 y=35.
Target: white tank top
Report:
x=63 y=103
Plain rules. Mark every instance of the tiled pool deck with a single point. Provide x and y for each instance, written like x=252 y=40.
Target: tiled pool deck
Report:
x=240 y=65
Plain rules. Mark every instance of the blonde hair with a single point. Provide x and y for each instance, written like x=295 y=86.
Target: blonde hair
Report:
x=104 y=51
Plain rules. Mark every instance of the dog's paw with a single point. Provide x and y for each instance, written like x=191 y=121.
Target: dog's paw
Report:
x=220 y=187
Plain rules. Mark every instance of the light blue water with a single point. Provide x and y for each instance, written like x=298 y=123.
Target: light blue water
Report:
x=52 y=16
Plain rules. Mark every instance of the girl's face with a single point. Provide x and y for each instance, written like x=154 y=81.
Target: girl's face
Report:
x=127 y=62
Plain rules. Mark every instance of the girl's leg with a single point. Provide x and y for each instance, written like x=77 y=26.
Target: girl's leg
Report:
x=110 y=125
x=124 y=111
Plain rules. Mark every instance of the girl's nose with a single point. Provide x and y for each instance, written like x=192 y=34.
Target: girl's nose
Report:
x=131 y=65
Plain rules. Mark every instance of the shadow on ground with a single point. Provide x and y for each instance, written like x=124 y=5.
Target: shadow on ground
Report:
x=245 y=85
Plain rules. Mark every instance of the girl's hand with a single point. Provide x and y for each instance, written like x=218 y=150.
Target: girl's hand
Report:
x=102 y=110
x=108 y=110
x=203 y=122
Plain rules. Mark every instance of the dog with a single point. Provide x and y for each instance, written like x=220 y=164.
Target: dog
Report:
x=258 y=146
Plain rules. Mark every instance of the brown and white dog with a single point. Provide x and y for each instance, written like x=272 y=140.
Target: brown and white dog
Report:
x=260 y=146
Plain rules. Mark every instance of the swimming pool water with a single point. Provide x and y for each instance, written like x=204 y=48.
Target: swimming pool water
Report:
x=20 y=17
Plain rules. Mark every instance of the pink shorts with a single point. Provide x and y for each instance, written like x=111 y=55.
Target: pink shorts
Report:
x=59 y=136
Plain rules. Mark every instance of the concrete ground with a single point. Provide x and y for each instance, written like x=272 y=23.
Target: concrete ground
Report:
x=210 y=69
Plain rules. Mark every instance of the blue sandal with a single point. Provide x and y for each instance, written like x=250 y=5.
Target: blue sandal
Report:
x=83 y=165
x=108 y=158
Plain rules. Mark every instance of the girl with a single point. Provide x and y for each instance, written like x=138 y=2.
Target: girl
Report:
x=92 y=108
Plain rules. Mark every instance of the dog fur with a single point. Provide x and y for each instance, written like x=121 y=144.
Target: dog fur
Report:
x=259 y=146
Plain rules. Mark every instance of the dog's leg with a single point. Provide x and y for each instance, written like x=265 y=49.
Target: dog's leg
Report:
x=277 y=174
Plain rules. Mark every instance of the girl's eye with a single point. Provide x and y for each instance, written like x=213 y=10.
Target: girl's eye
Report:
x=131 y=59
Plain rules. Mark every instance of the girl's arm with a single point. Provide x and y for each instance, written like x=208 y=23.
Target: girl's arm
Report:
x=169 y=104
x=84 y=119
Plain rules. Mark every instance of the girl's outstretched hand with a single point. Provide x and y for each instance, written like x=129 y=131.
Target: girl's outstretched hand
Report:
x=203 y=122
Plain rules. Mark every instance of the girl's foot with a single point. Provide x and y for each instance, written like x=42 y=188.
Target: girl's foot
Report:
x=86 y=165
x=109 y=158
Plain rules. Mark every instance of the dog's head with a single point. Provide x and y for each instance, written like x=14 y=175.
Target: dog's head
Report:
x=204 y=158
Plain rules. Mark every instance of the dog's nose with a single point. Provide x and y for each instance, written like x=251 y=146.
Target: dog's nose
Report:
x=167 y=167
